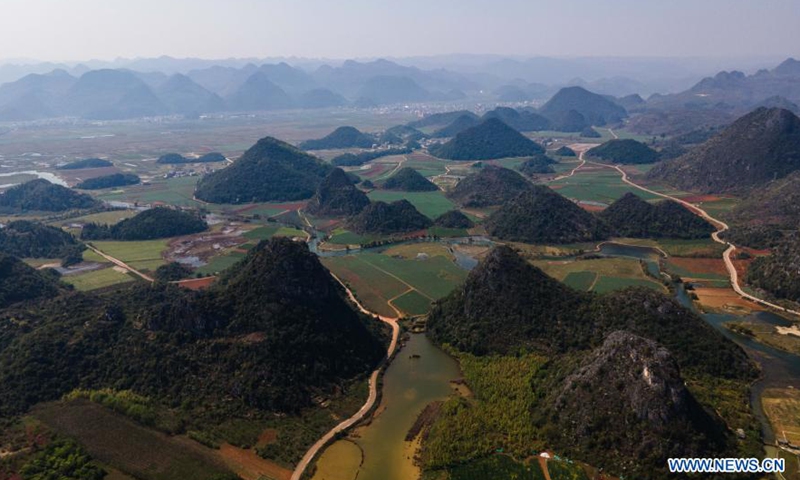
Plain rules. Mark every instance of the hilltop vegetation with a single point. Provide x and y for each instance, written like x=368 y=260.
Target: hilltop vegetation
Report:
x=337 y=196
x=381 y=218
x=26 y=239
x=177 y=159
x=565 y=152
x=537 y=165
x=44 y=196
x=457 y=126
x=777 y=273
x=490 y=186
x=627 y=152
x=523 y=120
x=453 y=219
x=357 y=159
x=756 y=149
x=517 y=330
x=540 y=215
x=630 y=216
x=109 y=181
x=20 y=282
x=342 y=137
x=668 y=420
x=159 y=222
x=488 y=140
x=271 y=170
x=571 y=103
x=409 y=180
x=86 y=163
x=280 y=316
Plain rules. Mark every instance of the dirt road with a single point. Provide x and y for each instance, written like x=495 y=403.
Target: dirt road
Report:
x=121 y=264
x=373 y=392
x=721 y=227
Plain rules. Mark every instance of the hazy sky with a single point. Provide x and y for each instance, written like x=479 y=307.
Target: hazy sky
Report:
x=106 y=29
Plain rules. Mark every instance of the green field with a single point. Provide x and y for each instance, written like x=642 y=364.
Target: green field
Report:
x=108 y=218
x=582 y=281
x=340 y=236
x=141 y=255
x=701 y=247
x=604 y=186
x=447 y=232
x=265 y=233
x=599 y=274
x=606 y=284
x=220 y=263
x=172 y=191
x=431 y=204
x=97 y=279
x=413 y=303
x=377 y=278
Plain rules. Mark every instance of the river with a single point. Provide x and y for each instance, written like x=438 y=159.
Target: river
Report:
x=412 y=383
x=418 y=375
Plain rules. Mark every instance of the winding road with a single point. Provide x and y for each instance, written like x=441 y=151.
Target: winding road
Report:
x=719 y=224
x=373 y=391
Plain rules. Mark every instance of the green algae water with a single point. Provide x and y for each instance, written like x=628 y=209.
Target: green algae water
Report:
x=419 y=374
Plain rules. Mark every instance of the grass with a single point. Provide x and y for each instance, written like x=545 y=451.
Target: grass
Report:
x=340 y=236
x=609 y=284
x=96 y=279
x=172 y=191
x=117 y=441
x=447 y=232
x=221 y=263
x=582 y=281
x=107 y=218
x=141 y=255
x=265 y=233
x=431 y=204
x=377 y=278
x=782 y=407
x=699 y=248
x=412 y=303
x=613 y=273
x=596 y=185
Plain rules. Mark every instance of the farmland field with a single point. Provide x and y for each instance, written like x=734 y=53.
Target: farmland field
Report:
x=582 y=281
x=95 y=279
x=123 y=444
x=172 y=191
x=141 y=255
x=782 y=407
x=108 y=218
x=596 y=185
x=431 y=204
x=340 y=236
x=378 y=278
x=600 y=274
x=412 y=303
x=220 y=263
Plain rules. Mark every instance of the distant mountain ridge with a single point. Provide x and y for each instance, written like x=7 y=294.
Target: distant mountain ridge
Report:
x=756 y=149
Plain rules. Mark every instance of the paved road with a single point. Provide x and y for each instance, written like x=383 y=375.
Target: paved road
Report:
x=373 y=392
x=721 y=227
x=120 y=264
